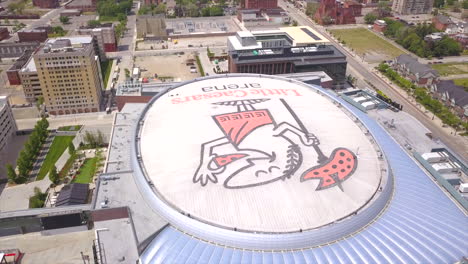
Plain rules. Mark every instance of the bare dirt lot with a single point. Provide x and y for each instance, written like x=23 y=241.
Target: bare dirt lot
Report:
x=167 y=66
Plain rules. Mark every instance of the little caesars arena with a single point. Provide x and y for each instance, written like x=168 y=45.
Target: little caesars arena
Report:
x=261 y=169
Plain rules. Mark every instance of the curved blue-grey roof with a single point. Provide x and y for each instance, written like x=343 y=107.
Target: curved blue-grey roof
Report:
x=420 y=225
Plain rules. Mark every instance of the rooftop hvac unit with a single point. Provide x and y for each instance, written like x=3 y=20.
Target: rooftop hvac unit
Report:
x=463 y=188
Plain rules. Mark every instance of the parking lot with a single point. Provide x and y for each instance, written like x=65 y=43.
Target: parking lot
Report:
x=220 y=41
x=167 y=66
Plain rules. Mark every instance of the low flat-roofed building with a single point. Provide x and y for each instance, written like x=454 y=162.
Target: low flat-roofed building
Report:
x=283 y=51
x=28 y=35
x=14 y=50
x=4 y=34
x=73 y=194
x=7 y=122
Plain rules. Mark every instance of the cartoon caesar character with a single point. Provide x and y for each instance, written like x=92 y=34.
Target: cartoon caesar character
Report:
x=255 y=150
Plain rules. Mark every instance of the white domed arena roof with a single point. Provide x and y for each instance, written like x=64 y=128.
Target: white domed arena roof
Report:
x=249 y=162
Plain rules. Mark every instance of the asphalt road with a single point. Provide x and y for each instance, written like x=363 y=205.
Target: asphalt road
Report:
x=456 y=143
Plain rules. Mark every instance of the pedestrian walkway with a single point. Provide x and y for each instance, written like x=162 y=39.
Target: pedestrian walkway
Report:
x=206 y=63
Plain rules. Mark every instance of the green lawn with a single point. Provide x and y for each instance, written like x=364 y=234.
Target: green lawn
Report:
x=445 y=69
x=87 y=171
x=462 y=82
x=106 y=67
x=56 y=150
x=363 y=41
x=69 y=128
x=107 y=19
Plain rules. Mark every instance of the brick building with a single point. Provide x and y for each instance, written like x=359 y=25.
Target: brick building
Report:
x=339 y=12
x=379 y=25
x=4 y=34
x=441 y=22
x=259 y=4
x=453 y=96
x=283 y=51
x=28 y=35
x=13 y=71
x=46 y=3
x=105 y=37
x=410 y=68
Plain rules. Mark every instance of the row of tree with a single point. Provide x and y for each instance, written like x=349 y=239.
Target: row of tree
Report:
x=412 y=39
x=29 y=153
x=110 y=8
x=152 y=9
x=424 y=97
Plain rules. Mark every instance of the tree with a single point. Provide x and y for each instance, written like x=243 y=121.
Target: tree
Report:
x=439 y=3
x=384 y=9
x=94 y=23
x=58 y=31
x=160 y=9
x=450 y=2
x=456 y=7
x=121 y=17
x=465 y=4
x=100 y=138
x=44 y=123
x=370 y=18
x=64 y=19
x=327 y=20
x=53 y=175
x=11 y=173
x=71 y=149
x=311 y=8
x=38 y=199
x=40 y=101
x=294 y=23
x=127 y=72
x=192 y=10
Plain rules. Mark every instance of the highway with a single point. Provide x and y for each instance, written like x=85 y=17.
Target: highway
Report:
x=358 y=69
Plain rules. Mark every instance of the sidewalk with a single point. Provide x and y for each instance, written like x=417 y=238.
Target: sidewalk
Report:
x=206 y=63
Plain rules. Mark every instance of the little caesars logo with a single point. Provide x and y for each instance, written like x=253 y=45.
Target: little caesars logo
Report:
x=253 y=148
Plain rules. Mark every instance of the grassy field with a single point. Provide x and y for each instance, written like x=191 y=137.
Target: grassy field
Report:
x=69 y=128
x=106 y=67
x=445 y=69
x=56 y=150
x=87 y=171
x=364 y=41
x=462 y=82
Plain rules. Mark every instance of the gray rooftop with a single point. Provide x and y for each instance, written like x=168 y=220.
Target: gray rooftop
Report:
x=415 y=67
x=116 y=184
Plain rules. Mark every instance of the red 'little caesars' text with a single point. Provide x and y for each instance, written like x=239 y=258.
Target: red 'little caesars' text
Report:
x=232 y=91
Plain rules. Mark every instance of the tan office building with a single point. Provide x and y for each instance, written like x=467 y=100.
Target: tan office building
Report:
x=7 y=122
x=70 y=75
x=412 y=7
